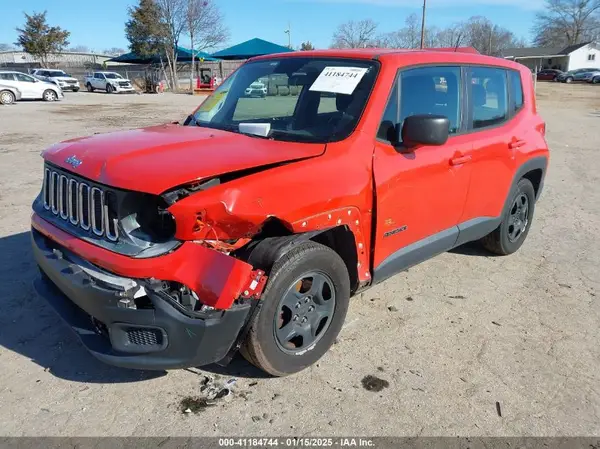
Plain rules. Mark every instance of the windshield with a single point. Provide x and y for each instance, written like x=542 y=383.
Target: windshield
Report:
x=113 y=76
x=306 y=100
x=58 y=73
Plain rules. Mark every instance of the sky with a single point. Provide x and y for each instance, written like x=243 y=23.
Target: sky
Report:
x=310 y=20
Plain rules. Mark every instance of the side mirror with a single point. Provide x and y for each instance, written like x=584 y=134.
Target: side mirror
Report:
x=423 y=130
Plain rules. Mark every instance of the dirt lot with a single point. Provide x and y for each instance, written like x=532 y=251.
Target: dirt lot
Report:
x=467 y=330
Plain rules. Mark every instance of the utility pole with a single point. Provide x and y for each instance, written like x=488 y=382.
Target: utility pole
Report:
x=289 y=33
x=423 y=25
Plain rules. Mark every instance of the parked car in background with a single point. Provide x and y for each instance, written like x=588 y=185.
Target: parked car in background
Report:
x=575 y=75
x=64 y=80
x=31 y=88
x=257 y=89
x=593 y=76
x=9 y=94
x=108 y=81
x=549 y=75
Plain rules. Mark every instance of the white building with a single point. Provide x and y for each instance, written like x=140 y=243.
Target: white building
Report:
x=580 y=56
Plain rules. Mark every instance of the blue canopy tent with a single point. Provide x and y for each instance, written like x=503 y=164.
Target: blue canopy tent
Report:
x=183 y=55
x=249 y=49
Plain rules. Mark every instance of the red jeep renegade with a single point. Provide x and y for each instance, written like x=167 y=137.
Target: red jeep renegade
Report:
x=250 y=225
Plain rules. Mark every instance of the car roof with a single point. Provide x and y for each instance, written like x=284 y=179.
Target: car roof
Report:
x=403 y=57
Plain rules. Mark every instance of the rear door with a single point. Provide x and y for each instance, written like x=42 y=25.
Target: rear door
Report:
x=497 y=131
x=8 y=79
x=420 y=193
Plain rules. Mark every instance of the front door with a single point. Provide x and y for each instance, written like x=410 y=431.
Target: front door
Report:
x=421 y=192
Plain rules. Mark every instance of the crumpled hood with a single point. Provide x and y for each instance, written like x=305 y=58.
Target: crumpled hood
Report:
x=158 y=158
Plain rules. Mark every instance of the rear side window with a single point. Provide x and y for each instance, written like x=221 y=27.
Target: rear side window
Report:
x=7 y=76
x=516 y=89
x=489 y=97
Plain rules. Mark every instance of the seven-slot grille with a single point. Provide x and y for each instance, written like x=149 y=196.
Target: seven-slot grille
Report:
x=80 y=204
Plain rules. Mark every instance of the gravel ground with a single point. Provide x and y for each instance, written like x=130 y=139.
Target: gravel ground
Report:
x=469 y=335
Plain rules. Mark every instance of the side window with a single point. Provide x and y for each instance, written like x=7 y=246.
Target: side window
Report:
x=390 y=117
x=489 y=97
x=7 y=76
x=431 y=90
x=24 y=78
x=516 y=89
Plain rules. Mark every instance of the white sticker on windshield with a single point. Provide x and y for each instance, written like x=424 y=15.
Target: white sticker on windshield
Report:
x=338 y=80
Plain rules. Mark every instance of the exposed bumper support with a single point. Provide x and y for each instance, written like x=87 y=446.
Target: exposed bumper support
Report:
x=155 y=337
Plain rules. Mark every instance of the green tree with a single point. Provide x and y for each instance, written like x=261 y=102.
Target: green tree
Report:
x=306 y=46
x=144 y=30
x=40 y=39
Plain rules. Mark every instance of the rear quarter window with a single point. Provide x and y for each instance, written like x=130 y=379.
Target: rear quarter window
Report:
x=516 y=86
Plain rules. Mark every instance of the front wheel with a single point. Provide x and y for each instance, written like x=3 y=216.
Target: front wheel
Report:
x=516 y=221
x=569 y=80
x=109 y=89
x=49 y=95
x=596 y=80
x=90 y=88
x=302 y=312
x=7 y=97
x=76 y=89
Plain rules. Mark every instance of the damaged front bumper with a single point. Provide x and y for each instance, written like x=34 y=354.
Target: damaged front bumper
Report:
x=130 y=322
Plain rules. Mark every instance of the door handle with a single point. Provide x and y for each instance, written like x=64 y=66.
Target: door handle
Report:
x=516 y=144
x=459 y=160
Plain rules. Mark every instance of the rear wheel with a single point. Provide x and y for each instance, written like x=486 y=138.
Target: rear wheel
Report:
x=7 y=97
x=516 y=221
x=302 y=312
x=596 y=80
x=49 y=95
x=569 y=80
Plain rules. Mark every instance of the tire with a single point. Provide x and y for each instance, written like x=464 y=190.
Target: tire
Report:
x=516 y=221
x=76 y=90
x=264 y=346
x=49 y=95
x=89 y=87
x=7 y=97
x=596 y=80
x=109 y=89
x=569 y=80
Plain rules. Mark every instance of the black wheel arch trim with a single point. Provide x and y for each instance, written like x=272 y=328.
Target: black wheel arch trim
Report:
x=536 y=163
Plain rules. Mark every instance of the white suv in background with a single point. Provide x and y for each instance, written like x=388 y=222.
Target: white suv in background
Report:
x=64 y=80
x=31 y=88
x=108 y=81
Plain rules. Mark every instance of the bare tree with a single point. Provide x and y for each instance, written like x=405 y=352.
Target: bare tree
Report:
x=452 y=37
x=79 y=49
x=567 y=22
x=173 y=14
x=205 y=27
x=488 y=38
x=114 y=51
x=408 y=36
x=353 y=34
